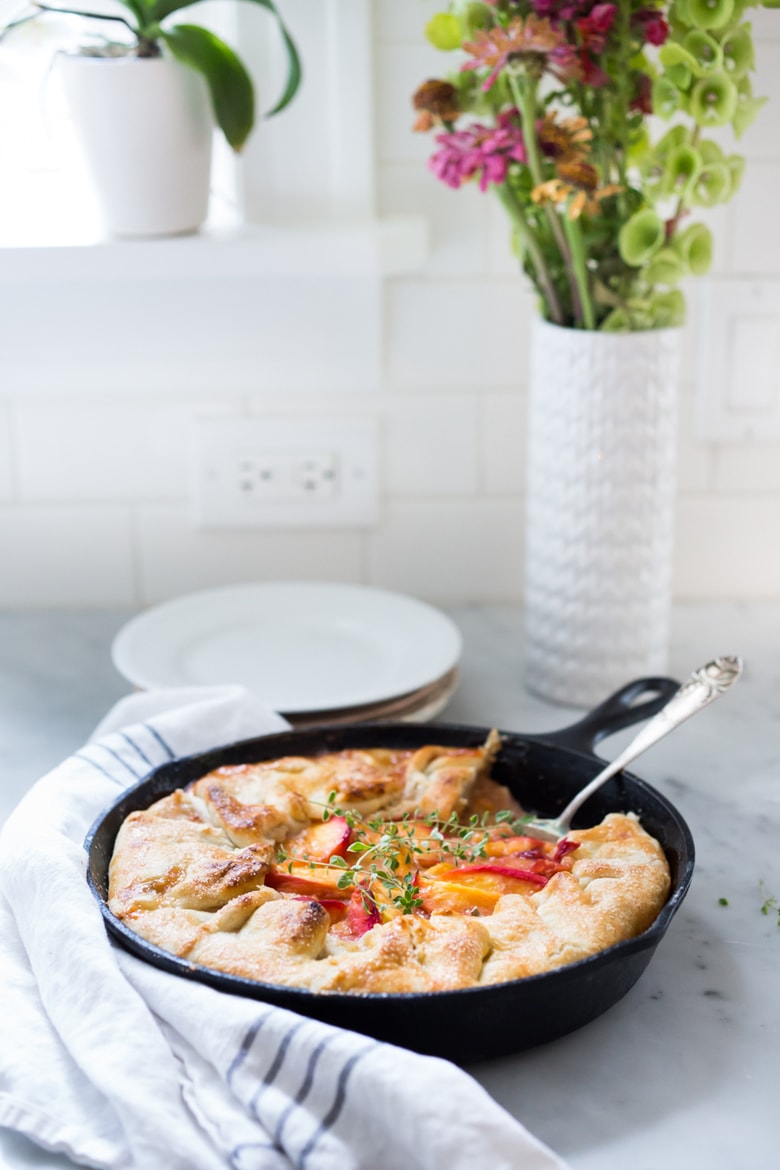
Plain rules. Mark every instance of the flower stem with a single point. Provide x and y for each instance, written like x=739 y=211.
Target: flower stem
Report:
x=574 y=236
x=531 y=245
x=525 y=99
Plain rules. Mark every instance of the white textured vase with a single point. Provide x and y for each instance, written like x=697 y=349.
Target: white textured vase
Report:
x=146 y=128
x=599 y=509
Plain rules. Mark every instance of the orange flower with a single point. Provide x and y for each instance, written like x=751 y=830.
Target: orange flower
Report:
x=577 y=185
x=436 y=102
x=567 y=140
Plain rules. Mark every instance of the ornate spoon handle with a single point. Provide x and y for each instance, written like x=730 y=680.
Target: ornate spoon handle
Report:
x=705 y=685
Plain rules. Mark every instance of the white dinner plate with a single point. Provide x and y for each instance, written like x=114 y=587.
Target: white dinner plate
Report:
x=300 y=646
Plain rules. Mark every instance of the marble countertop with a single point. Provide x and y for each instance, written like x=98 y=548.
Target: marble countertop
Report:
x=684 y=1070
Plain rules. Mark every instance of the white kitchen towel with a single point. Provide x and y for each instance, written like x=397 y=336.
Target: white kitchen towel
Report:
x=118 y=1064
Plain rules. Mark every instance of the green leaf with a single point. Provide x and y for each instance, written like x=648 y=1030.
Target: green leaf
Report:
x=294 y=67
x=230 y=86
x=162 y=8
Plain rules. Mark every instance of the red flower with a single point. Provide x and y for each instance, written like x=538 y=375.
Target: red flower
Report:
x=594 y=27
x=654 y=27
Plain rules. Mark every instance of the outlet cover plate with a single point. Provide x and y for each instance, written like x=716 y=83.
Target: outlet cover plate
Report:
x=249 y=471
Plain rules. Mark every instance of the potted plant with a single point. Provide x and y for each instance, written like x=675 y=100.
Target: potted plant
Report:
x=552 y=105
x=145 y=108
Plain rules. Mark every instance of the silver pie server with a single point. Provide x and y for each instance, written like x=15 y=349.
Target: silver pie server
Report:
x=704 y=686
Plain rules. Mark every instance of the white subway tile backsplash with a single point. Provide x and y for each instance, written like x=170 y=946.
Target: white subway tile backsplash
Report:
x=7 y=460
x=746 y=469
x=400 y=70
x=502 y=260
x=727 y=548
x=93 y=449
x=226 y=334
x=504 y=443
x=65 y=556
x=756 y=238
x=465 y=334
x=761 y=140
x=450 y=551
x=457 y=219
x=695 y=459
x=175 y=558
x=765 y=22
x=404 y=20
x=431 y=445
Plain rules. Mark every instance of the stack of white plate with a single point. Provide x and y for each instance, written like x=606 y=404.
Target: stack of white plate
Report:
x=316 y=652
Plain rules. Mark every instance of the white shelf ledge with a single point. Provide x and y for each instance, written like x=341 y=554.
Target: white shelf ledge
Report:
x=390 y=246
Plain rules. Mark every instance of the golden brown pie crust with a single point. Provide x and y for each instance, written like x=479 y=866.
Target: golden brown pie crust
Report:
x=189 y=875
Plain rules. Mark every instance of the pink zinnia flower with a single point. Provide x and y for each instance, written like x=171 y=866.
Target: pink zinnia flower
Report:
x=530 y=40
x=480 y=150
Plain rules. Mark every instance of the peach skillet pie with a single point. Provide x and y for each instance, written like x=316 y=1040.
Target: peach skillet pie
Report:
x=376 y=870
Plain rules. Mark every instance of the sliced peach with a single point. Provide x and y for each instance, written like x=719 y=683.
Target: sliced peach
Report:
x=321 y=841
x=515 y=872
x=313 y=881
x=507 y=846
x=362 y=915
x=442 y=897
x=495 y=880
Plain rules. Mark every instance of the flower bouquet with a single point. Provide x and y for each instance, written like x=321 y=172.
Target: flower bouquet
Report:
x=553 y=105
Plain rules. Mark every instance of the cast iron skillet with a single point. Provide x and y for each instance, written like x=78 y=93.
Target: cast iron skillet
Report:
x=543 y=771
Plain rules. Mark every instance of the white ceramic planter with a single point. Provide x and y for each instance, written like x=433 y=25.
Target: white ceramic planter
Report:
x=146 y=128
x=599 y=509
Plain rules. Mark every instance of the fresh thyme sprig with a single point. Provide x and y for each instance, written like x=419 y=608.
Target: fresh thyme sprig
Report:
x=380 y=848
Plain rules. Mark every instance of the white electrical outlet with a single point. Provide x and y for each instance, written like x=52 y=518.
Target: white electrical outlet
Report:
x=256 y=472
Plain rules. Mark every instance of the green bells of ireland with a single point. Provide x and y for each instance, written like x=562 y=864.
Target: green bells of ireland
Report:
x=705 y=51
x=738 y=52
x=640 y=237
x=694 y=246
x=709 y=13
x=666 y=267
x=713 y=100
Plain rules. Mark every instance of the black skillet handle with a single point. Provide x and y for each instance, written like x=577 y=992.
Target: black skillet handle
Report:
x=637 y=700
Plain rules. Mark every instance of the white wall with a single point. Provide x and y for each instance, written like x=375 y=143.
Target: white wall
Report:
x=93 y=473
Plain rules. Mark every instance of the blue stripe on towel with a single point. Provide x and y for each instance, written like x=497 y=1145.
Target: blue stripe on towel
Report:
x=305 y=1088
x=119 y=759
x=165 y=747
x=246 y=1044
x=99 y=768
x=332 y=1115
x=136 y=748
